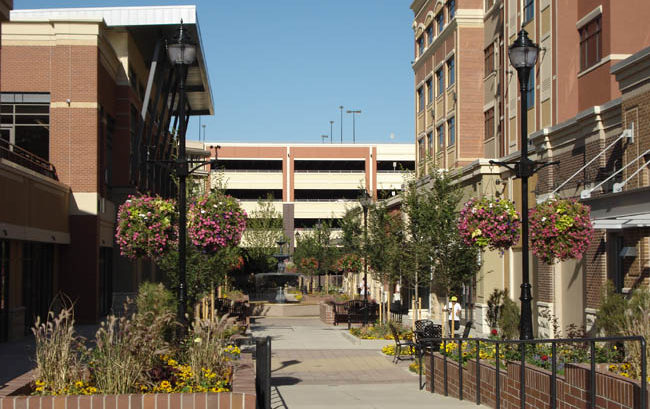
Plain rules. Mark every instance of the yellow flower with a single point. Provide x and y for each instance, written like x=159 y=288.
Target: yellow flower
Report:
x=165 y=384
x=172 y=362
x=40 y=383
x=79 y=384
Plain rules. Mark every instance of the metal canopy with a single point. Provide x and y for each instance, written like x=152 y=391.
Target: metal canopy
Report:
x=147 y=25
x=623 y=222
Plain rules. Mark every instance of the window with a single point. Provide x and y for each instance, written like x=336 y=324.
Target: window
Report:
x=441 y=136
x=530 y=94
x=590 y=43
x=430 y=33
x=430 y=140
x=422 y=153
x=451 y=131
x=440 y=77
x=489 y=59
x=420 y=46
x=440 y=21
x=26 y=117
x=420 y=99
x=450 y=71
x=489 y=123
x=451 y=9
x=529 y=10
x=430 y=91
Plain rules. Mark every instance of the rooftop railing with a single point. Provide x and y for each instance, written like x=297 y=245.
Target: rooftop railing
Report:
x=24 y=158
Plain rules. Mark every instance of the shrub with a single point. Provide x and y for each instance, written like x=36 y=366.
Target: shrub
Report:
x=636 y=322
x=205 y=348
x=495 y=305
x=509 y=319
x=156 y=299
x=58 y=351
x=612 y=311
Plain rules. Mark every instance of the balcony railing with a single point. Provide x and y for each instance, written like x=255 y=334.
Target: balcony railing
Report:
x=24 y=158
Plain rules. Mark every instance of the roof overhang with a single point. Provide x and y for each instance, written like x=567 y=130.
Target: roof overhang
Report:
x=147 y=25
x=615 y=211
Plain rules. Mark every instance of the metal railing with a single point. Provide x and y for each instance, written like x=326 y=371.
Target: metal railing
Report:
x=263 y=372
x=522 y=374
x=24 y=158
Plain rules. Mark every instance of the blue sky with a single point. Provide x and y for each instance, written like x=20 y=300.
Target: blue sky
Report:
x=280 y=69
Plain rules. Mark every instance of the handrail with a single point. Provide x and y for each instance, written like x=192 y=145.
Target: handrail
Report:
x=522 y=343
x=618 y=187
x=25 y=158
x=628 y=133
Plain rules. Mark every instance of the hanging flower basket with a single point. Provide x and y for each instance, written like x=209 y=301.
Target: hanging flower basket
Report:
x=488 y=222
x=215 y=221
x=560 y=229
x=349 y=263
x=145 y=227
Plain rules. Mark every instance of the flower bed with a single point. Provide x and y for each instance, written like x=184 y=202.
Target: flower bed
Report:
x=612 y=391
x=380 y=331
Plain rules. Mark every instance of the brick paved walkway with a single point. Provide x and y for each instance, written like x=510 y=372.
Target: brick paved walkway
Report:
x=321 y=366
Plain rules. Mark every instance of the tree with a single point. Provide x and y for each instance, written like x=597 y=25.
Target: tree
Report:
x=316 y=245
x=264 y=231
x=435 y=251
x=352 y=231
x=385 y=241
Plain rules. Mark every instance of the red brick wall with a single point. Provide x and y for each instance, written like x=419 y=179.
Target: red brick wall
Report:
x=596 y=268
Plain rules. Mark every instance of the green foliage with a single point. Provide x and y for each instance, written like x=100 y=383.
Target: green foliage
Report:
x=612 y=311
x=352 y=231
x=154 y=298
x=316 y=246
x=263 y=232
x=509 y=319
x=434 y=244
x=495 y=305
x=204 y=271
x=385 y=239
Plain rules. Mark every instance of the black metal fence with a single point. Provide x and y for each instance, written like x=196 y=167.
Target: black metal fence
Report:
x=263 y=372
x=522 y=375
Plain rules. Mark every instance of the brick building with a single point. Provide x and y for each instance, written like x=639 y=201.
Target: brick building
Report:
x=579 y=42
x=88 y=94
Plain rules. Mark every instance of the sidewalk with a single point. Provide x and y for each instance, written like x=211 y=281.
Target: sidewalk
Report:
x=315 y=365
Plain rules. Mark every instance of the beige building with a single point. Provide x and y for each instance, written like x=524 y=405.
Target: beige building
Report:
x=310 y=182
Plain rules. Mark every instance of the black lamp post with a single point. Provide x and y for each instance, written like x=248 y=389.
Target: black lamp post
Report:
x=366 y=201
x=181 y=54
x=523 y=57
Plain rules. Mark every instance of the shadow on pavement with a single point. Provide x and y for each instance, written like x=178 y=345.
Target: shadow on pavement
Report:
x=284 y=381
x=277 y=401
x=285 y=364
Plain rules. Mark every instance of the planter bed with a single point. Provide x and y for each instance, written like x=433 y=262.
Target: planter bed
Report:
x=13 y=395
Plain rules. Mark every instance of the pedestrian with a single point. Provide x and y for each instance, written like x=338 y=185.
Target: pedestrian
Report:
x=454 y=310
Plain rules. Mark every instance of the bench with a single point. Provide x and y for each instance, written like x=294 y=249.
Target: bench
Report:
x=354 y=312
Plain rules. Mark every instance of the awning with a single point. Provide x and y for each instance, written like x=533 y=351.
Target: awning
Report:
x=146 y=25
x=623 y=222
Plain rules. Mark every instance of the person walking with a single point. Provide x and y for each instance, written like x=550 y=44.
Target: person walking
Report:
x=454 y=310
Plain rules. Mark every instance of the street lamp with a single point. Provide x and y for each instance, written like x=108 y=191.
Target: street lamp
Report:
x=323 y=137
x=331 y=124
x=353 y=112
x=341 y=108
x=523 y=56
x=181 y=53
x=365 y=200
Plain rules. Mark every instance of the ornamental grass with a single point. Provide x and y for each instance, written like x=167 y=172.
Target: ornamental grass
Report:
x=137 y=353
